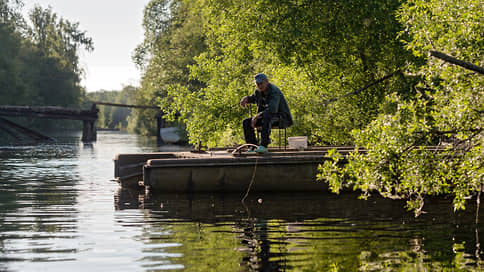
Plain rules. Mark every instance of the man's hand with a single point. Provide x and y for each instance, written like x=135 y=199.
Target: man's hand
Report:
x=244 y=101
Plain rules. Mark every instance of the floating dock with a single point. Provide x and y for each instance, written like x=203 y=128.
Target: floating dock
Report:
x=224 y=170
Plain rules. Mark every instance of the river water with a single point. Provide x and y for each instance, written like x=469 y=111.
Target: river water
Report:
x=60 y=211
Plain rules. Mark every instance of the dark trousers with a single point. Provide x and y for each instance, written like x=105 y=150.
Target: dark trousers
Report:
x=265 y=122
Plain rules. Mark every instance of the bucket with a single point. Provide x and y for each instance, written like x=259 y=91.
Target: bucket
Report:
x=298 y=142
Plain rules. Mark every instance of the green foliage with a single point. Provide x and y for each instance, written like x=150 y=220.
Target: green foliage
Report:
x=39 y=61
x=199 y=57
x=114 y=117
x=9 y=69
x=450 y=105
x=313 y=51
x=51 y=58
x=39 y=64
x=172 y=39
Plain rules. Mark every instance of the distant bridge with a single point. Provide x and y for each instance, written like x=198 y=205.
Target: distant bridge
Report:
x=88 y=117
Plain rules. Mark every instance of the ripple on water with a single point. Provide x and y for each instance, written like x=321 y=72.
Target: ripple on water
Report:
x=60 y=212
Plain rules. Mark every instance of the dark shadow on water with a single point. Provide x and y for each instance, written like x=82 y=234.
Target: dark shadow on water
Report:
x=285 y=206
x=280 y=232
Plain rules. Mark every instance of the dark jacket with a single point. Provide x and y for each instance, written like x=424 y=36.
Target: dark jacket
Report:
x=274 y=102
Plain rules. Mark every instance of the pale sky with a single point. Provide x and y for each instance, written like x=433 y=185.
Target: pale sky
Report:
x=115 y=27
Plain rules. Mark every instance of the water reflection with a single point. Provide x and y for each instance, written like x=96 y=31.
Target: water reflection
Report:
x=308 y=232
x=37 y=202
x=57 y=214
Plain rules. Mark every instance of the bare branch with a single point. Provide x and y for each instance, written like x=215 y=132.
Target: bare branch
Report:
x=464 y=64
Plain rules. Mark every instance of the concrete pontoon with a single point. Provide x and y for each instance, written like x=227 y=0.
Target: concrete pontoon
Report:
x=223 y=170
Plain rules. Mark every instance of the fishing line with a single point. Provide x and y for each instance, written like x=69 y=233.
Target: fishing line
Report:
x=251 y=181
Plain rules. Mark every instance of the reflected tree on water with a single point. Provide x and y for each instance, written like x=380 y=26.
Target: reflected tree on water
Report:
x=294 y=232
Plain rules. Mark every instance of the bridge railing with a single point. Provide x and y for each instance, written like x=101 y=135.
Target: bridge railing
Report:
x=49 y=112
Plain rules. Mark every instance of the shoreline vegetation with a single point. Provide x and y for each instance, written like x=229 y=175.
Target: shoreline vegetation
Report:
x=320 y=55
x=373 y=74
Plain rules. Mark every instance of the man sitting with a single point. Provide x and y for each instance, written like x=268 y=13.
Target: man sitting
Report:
x=272 y=109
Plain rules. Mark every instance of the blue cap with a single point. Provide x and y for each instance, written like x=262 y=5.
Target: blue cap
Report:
x=260 y=77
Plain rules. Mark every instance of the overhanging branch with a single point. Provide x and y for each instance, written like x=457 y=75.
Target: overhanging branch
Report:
x=461 y=63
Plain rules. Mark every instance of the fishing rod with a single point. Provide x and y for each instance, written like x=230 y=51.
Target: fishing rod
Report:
x=363 y=88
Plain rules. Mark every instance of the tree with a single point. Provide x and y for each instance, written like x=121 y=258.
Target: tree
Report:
x=449 y=104
x=9 y=68
x=50 y=58
x=112 y=117
x=314 y=51
x=173 y=37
